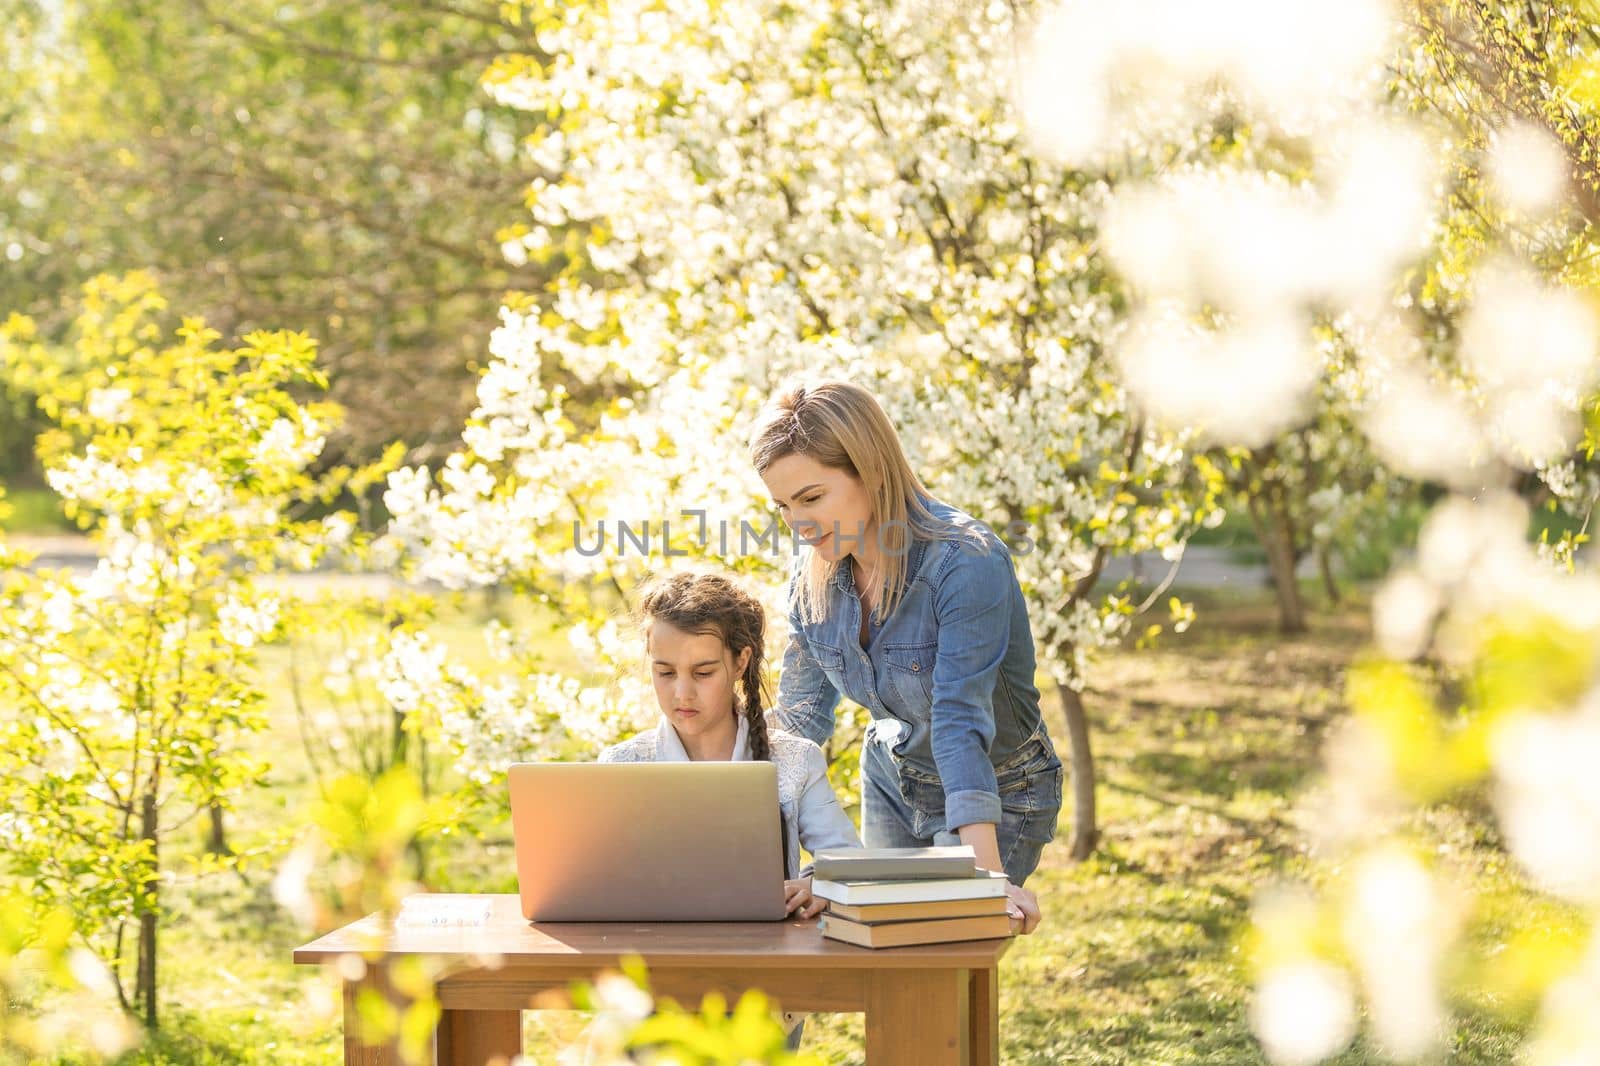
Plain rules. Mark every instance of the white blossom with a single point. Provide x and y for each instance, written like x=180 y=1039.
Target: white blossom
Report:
x=1548 y=797
x=244 y=624
x=1397 y=928
x=1528 y=168
x=1303 y=1012
x=107 y=404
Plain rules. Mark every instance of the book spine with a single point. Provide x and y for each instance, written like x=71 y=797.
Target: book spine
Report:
x=869 y=870
x=908 y=892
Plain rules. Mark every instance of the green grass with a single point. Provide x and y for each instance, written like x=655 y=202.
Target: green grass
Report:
x=34 y=511
x=1203 y=743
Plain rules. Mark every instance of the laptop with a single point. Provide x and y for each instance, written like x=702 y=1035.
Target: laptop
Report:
x=637 y=842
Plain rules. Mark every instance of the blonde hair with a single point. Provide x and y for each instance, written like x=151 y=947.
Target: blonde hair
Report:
x=841 y=425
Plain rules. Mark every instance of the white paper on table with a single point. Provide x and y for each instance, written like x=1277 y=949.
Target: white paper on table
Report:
x=442 y=909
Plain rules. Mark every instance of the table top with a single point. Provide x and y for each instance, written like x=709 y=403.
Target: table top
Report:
x=508 y=938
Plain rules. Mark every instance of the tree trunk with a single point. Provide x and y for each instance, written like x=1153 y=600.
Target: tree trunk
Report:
x=1085 y=834
x=1291 y=605
x=399 y=740
x=419 y=852
x=1277 y=539
x=217 y=838
x=1330 y=584
x=144 y=992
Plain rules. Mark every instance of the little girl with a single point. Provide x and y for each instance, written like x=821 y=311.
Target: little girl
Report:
x=704 y=636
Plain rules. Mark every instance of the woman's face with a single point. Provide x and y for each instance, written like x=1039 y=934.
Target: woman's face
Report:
x=694 y=676
x=828 y=508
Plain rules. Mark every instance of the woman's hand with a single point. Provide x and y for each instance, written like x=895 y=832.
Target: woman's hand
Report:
x=799 y=901
x=1022 y=906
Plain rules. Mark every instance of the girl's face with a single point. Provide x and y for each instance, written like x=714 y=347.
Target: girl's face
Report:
x=694 y=676
x=829 y=508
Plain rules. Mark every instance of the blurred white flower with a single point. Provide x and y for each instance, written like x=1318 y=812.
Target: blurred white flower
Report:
x=1461 y=536
x=1426 y=430
x=1403 y=611
x=1294 y=56
x=1062 y=91
x=1396 y=927
x=581 y=639
x=1547 y=793
x=514 y=252
x=414 y=672
x=1476 y=552
x=1532 y=347
x=108 y=404
x=109 y=1031
x=292 y=444
x=616 y=993
x=198 y=492
x=290 y=885
x=245 y=624
x=89 y=479
x=338 y=529
x=1238 y=386
x=621 y=1006
x=1090 y=66
x=1303 y=1012
x=59 y=610
x=91 y=974
x=1238 y=239
x=1527 y=167
x=1377 y=213
x=17 y=828
x=1568 y=1030
x=1533 y=426
x=501 y=641
x=1360 y=797
x=1522 y=332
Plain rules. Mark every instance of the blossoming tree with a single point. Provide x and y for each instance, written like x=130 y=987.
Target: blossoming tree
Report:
x=738 y=193
x=132 y=688
x=1479 y=365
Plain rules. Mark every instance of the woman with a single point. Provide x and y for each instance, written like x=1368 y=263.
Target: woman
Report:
x=912 y=609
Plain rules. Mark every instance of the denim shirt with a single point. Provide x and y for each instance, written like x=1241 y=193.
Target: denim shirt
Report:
x=812 y=817
x=948 y=678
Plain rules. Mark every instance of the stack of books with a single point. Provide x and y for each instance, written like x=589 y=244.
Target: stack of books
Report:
x=894 y=897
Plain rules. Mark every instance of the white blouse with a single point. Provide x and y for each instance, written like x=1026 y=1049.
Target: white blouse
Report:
x=812 y=816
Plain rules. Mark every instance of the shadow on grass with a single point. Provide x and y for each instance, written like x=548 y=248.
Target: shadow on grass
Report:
x=1211 y=775
x=225 y=1038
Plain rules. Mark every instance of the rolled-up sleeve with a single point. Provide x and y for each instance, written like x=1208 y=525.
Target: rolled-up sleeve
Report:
x=823 y=823
x=807 y=700
x=973 y=608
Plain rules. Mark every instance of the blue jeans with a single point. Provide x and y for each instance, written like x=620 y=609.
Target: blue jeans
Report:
x=902 y=807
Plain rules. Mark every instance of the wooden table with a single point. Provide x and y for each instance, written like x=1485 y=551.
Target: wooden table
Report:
x=925 y=1006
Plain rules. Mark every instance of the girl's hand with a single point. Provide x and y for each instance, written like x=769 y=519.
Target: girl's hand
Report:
x=1022 y=906
x=798 y=900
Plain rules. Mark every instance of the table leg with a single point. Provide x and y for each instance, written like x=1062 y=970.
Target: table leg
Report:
x=478 y=1037
x=357 y=1052
x=918 y=1018
x=983 y=1000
